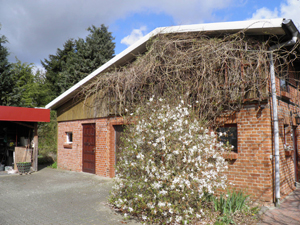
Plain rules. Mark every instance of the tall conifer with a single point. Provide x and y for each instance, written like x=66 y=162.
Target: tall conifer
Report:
x=6 y=82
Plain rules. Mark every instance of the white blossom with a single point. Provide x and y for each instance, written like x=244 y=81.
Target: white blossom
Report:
x=144 y=217
x=169 y=152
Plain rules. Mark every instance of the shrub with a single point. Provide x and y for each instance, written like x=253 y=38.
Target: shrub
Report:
x=48 y=136
x=168 y=165
x=54 y=165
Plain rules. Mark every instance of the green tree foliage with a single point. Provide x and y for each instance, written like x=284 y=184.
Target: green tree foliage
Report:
x=41 y=89
x=23 y=82
x=29 y=88
x=56 y=64
x=48 y=136
x=97 y=49
x=78 y=58
x=6 y=82
x=21 y=86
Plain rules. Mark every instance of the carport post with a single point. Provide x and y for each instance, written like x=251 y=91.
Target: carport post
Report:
x=35 y=149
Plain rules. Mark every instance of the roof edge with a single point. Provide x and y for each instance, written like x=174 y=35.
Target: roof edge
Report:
x=133 y=49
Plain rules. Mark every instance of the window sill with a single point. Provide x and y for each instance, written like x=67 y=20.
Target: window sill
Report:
x=285 y=94
x=289 y=153
x=230 y=155
x=67 y=145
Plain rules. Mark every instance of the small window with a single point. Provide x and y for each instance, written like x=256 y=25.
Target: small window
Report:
x=69 y=137
x=285 y=129
x=229 y=135
x=284 y=85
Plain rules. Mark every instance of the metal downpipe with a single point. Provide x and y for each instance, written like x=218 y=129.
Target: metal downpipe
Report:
x=276 y=131
x=295 y=36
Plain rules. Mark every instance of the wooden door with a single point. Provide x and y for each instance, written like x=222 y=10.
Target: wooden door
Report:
x=88 y=148
x=119 y=129
x=296 y=155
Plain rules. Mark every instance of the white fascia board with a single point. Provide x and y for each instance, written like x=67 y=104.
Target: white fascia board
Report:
x=274 y=26
x=223 y=27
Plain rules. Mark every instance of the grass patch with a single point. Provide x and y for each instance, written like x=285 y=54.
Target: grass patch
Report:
x=53 y=166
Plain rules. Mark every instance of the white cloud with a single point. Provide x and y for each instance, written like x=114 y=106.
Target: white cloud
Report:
x=291 y=10
x=36 y=29
x=191 y=11
x=135 y=35
x=288 y=10
x=265 y=13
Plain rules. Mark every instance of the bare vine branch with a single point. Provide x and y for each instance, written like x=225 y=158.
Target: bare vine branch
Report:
x=212 y=74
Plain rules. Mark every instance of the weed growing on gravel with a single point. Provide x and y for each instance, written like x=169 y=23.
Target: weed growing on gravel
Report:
x=54 y=165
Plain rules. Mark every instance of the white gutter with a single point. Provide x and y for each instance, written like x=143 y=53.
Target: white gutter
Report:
x=267 y=26
x=295 y=35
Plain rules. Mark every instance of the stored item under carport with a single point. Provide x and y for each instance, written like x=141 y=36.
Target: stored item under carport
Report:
x=24 y=167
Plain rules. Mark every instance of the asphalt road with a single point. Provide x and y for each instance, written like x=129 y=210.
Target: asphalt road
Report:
x=56 y=197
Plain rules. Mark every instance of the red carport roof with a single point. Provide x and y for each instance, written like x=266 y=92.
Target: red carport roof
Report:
x=10 y=113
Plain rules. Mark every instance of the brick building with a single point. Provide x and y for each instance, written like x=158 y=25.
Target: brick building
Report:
x=88 y=137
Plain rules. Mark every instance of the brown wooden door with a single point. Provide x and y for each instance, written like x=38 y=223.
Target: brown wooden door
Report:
x=297 y=169
x=88 y=148
x=119 y=129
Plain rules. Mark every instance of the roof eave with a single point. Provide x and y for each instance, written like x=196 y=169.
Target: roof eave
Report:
x=255 y=27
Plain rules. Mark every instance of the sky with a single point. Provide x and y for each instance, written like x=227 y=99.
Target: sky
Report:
x=36 y=28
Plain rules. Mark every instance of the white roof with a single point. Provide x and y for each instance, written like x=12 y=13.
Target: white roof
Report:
x=255 y=27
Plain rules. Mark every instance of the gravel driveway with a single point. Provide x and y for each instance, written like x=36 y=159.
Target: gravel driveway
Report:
x=56 y=197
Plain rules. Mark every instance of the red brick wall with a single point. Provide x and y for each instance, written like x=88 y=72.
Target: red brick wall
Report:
x=286 y=126
x=288 y=106
x=70 y=157
x=253 y=170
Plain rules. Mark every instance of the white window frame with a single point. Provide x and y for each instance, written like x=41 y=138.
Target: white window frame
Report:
x=69 y=137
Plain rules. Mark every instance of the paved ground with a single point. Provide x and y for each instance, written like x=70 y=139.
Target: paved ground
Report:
x=64 y=197
x=56 y=197
x=287 y=213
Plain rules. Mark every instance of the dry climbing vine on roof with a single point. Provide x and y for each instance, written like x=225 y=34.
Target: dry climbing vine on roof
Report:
x=213 y=74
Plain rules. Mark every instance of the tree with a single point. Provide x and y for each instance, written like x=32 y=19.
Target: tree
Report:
x=97 y=49
x=6 y=82
x=78 y=58
x=22 y=84
x=41 y=88
x=29 y=87
x=48 y=137
x=56 y=65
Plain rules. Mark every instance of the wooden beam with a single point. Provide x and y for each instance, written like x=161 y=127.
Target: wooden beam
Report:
x=23 y=124
x=35 y=149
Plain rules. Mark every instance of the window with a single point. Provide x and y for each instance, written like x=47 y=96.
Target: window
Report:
x=288 y=138
x=284 y=85
x=229 y=135
x=69 y=137
x=285 y=128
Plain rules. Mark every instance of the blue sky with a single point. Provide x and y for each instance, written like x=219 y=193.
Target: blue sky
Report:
x=36 y=29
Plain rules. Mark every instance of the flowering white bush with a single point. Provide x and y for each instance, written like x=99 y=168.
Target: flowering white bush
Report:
x=287 y=147
x=169 y=162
